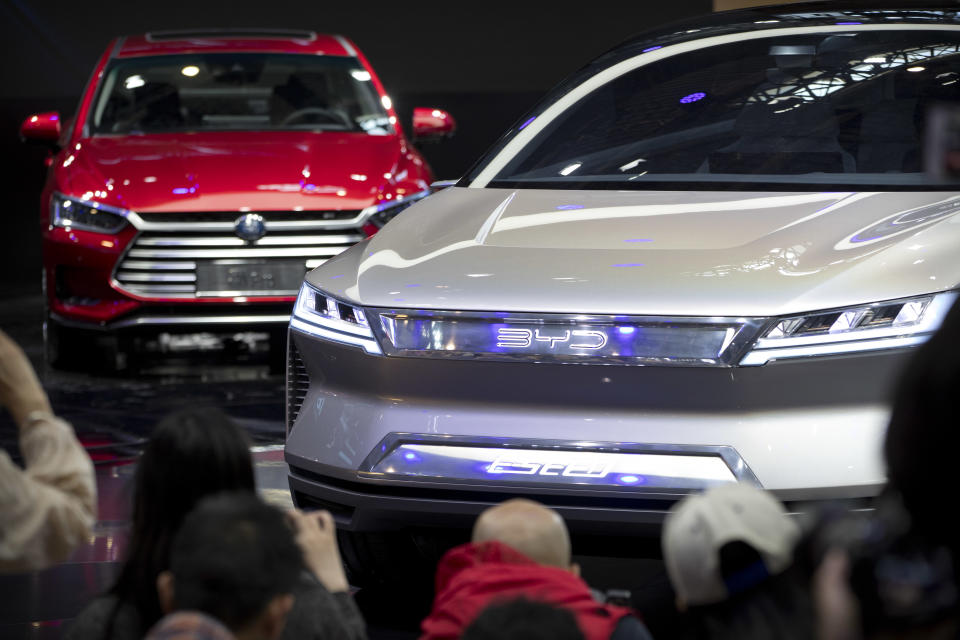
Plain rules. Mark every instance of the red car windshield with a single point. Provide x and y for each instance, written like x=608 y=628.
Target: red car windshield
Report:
x=228 y=91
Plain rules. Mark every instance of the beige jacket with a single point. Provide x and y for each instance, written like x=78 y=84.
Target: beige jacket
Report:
x=48 y=508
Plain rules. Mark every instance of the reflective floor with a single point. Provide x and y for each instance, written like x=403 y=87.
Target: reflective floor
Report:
x=114 y=414
x=38 y=604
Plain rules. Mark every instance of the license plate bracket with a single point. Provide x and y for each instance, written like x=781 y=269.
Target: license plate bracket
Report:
x=249 y=277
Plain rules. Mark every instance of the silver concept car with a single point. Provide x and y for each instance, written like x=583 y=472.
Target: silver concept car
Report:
x=701 y=259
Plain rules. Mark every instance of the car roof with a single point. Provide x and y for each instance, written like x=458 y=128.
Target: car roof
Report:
x=775 y=16
x=233 y=40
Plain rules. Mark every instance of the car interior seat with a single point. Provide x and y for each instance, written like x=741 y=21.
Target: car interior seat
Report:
x=787 y=128
x=784 y=136
x=302 y=91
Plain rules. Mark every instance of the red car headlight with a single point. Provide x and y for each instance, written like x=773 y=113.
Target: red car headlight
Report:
x=72 y=213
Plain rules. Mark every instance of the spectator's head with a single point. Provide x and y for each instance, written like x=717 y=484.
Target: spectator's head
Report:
x=523 y=619
x=529 y=527
x=234 y=559
x=191 y=454
x=724 y=542
x=922 y=436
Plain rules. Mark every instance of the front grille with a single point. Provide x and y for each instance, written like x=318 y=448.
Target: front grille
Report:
x=191 y=260
x=567 y=338
x=298 y=383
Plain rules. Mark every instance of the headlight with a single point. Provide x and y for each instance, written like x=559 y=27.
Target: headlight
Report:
x=88 y=216
x=884 y=325
x=381 y=214
x=324 y=317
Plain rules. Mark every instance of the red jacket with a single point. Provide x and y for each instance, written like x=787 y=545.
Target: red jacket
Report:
x=472 y=576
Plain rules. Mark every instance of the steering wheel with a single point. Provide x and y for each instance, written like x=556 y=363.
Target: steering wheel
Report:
x=329 y=114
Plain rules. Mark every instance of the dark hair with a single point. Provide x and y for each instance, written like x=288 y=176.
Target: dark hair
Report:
x=923 y=434
x=523 y=619
x=232 y=555
x=778 y=607
x=191 y=454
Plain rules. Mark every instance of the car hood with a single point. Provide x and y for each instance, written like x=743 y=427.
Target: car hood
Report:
x=687 y=253
x=227 y=171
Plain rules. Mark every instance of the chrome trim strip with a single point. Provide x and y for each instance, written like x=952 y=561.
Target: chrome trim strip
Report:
x=176 y=241
x=281 y=252
x=311 y=225
x=248 y=294
x=117 y=47
x=159 y=264
x=200 y=320
x=133 y=276
x=763 y=356
x=346 y=45
x=393 y=441
x=346 y=238
x=268 y=448
x=159 y=289
x=277 y=225
x=173 y=321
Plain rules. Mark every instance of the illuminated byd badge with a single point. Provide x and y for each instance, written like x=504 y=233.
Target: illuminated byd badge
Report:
x=516 y=465
x=576 y=339
x=250 y=227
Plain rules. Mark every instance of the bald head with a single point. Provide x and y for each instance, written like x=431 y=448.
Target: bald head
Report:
x=529 y=527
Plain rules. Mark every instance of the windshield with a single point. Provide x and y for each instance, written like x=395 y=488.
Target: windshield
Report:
x=247 y=91
x=807 y=110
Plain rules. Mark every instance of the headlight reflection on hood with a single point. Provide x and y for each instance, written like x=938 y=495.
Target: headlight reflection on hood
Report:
x=884 y=325
x=325 y=317
x=384 y=212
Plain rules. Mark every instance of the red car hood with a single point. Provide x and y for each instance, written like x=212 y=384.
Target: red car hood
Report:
x=227 y=171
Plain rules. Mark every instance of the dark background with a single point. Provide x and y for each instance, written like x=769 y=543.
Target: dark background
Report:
x=485 y=62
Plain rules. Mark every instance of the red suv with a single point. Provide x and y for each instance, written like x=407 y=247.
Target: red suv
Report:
x=204 y=173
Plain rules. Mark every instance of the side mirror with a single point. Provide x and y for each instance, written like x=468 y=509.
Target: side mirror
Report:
x=432 y=124
x=42 y=127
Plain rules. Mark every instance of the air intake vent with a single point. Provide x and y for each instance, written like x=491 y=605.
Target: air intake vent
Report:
x=298 y=383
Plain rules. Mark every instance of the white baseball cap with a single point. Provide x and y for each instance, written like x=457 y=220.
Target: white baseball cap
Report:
x=698 y=527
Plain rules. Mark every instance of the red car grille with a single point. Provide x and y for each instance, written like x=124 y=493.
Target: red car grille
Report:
x=205 y=258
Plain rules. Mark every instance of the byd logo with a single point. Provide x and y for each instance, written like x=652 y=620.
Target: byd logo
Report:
x=576 y=339
x=511 y=465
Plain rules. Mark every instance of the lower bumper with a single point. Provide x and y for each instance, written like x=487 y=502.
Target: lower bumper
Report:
x=372 y=506
x=807 y=430
x=375 y=506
